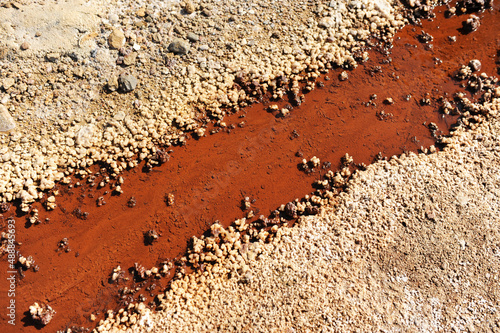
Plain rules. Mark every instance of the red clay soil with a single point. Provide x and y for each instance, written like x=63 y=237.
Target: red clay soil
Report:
x=209 y=177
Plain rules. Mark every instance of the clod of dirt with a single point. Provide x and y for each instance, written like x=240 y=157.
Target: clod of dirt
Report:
x=475 y=65
x=471 y=24
x=41 y=313
x=151 y=236
x=291 y=210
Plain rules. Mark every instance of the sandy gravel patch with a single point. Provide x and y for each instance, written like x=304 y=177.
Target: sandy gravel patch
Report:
x=109 y=82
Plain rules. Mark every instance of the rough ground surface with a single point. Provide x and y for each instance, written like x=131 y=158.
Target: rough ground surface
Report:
x=110 y=81
x=412 y=245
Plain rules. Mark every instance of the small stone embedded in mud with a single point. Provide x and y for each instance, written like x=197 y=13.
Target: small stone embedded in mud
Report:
x=100 y=202
x=26 y=262
x=389 y=101
x=118 y=190
x=131 y=202
x=80 y=214
x=169 y=199
x=63 y=244
x=151 y=236
x=41 y=313
x=245 y=203
x=343 y=76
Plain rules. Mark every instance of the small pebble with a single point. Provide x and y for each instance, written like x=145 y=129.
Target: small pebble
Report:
x=116 y=39
x=193 y=37
x=179 y=46
x=127 y=82
x=25 y=46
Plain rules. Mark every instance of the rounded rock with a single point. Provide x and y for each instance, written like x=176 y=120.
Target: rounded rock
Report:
x=193 y=37
x=179 y=46
x=25 y=46
x=475 y=65
x=116 y=39
x=189 y=7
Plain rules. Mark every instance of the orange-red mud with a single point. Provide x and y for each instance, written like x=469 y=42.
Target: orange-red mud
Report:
x=209 y=177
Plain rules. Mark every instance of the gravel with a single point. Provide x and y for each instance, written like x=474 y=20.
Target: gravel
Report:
x=59 y=80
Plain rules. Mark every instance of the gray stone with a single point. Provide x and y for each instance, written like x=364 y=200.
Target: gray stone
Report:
x=179 y=46
x=193 y=37
x=7 y=123
x=127 y=82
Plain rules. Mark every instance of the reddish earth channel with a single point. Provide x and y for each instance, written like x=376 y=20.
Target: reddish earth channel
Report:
x=209 y=177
